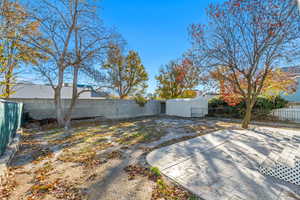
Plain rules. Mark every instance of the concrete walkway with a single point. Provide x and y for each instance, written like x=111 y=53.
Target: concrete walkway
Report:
x=225 y=165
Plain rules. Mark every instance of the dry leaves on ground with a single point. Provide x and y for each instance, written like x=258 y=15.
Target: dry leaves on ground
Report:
x=7 y=186
x=58 y=188
x=162 y=190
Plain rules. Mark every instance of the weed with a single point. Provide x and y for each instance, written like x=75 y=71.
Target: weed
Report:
x=155 y=171
x=161 y=184
x=193 y=197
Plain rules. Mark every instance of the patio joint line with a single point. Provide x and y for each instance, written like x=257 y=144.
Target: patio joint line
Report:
x=189 y=157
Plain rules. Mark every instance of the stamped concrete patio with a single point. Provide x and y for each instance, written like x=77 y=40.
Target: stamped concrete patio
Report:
x=225 y=165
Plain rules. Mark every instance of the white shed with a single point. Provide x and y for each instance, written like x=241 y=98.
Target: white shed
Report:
x=197 y=107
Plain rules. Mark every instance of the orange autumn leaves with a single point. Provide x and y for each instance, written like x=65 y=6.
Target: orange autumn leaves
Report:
x=276 y=83
x=178 y=79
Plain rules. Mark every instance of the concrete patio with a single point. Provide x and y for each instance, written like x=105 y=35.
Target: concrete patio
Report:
x=226 y=165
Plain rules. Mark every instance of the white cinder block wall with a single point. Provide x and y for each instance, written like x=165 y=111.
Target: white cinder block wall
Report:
x=184 y=107
x=39 y=109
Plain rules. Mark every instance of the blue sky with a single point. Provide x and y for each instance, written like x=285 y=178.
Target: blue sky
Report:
x=157 y=29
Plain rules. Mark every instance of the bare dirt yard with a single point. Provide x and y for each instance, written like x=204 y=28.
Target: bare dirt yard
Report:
x=99 y=160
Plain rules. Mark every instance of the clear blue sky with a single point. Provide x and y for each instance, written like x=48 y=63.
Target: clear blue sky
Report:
x=157 y=29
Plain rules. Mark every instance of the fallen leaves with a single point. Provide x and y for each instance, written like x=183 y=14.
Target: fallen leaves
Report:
x=85 y=156
x=136 y=170
x=7 y=186
x=169 y=192
x=114 y=155
x=92 y=177
x=80 y=158
x=162 y=190
x=42 y=173
x=59 y=189
x=42 y=155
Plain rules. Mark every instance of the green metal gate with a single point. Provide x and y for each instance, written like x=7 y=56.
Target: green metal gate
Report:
x=10 y=121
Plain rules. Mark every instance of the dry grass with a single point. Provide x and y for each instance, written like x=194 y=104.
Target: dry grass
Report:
x=54 y=164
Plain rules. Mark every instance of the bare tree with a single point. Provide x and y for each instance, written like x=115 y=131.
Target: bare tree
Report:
x=248 y=38
x=78 y=42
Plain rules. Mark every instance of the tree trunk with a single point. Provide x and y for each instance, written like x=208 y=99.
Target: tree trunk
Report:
x=57 y=98
x=68 y=115
x=58 y=107
x=247 y=117
x=7 y=87
x=8 y=80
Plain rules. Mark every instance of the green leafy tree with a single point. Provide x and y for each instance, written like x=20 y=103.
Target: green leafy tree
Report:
x=126 y=74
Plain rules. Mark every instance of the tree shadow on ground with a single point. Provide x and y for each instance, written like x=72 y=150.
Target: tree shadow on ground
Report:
x=232 y=165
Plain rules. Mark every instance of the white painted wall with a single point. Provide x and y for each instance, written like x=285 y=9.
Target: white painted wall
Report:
x=34 y=91
x=183 y=107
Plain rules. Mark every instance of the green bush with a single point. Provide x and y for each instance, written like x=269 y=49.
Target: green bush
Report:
x=262 y=107
x=216 y=102
x=270 y=104
x=139 y=99
x=155 y=171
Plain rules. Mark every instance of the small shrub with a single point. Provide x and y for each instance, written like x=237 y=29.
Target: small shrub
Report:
x=216 y=102
x=139 y=99
x=194 y=197
x=280 y=102
x=161 y=184
x=155 y=171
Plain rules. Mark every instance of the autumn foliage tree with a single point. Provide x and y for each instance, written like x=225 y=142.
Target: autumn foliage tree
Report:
x=248 y=38
x=126 y=74
x=16 y=29
x=178 y=79
x=277 y=83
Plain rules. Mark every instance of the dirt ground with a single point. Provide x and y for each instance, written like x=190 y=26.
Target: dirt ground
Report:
x=99 y=160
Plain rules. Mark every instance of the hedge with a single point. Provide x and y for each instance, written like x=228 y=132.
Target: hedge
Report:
x=263 y=106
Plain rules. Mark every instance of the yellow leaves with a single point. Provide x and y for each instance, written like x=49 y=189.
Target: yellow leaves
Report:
x=11 y=34
x=16 y=28
x=275 y=83
x=177 y=77
x=57 y=188
x=189 y=94
x=13 y=13
x=32 y=28
x=127 y=74
x=7 y=187
x=279 y=83
x=42 y=188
